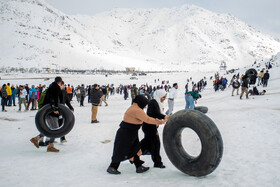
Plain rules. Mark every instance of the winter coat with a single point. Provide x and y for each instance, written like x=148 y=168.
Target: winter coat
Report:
x=27 y=89
x=266 y=76
x=9 y=90
x=34 y=94
x=151 y=142
x=69 y=90
x=154 y=112
x=14 y=91
x=95 y=96
x=65 y=99
x=134 y=92
x=4 y=93
x=261 y=74
x=83 y=92
x=245 y=82
x=104 y=91
x=195 y=95
x=53 y=95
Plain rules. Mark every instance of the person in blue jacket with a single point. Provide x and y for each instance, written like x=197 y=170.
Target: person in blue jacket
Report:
x=191 y=98
x=32 y=97
x=14 y=94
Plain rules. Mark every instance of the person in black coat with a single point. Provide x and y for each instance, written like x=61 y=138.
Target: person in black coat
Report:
x=244 y=86
x=95 y=95
x=127 y=145
x=151 y=142
x=52 y=97
x=265 y=79
x=65 y=100
x=125 y=93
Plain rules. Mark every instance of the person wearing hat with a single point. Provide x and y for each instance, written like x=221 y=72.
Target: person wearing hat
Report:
x=127 y=145
x=150 y=144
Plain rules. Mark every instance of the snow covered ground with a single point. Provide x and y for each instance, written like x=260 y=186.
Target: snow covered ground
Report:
x=250 y=130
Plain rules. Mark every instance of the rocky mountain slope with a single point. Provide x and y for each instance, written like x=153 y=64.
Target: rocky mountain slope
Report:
x=34 y=34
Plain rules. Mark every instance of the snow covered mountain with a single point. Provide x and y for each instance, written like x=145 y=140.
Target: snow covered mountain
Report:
x=34 y=34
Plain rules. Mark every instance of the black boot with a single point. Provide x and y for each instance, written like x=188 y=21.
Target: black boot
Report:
x=159 y=166
x=112 y=170
x=142 y=169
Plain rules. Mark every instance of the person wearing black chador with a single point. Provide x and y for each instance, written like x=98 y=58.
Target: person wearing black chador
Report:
x=127 y=145
x=151 y=142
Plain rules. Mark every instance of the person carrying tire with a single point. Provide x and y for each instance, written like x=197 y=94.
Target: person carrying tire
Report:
x=260 y=77
x=52 y=97
x=65 y=100
x=191 y=98
x=150 y=144
x=235 y=86
x=127 y=145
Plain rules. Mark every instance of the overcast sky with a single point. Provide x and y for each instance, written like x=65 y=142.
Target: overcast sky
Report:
x=264 y=15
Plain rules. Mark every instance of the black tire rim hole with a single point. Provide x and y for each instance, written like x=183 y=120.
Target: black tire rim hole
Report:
x=53 y=121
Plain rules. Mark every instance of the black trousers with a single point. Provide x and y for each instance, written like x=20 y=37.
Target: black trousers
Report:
x=51 y=139
x=82 y=100
x=4 y=103
x=137 y=162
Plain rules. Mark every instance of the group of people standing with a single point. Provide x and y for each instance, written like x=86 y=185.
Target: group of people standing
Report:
x=25 y=95
x=245 y=81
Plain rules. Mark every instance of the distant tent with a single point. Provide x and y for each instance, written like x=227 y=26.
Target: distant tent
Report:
x=223 y=65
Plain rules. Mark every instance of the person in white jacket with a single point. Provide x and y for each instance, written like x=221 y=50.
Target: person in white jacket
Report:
x=171 y=97
x=22 y=97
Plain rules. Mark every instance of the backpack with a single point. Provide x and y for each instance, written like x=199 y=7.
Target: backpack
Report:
x=41 y=99
x=33 y=95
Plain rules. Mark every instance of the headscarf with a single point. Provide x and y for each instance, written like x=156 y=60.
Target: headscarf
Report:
x=157 y=96
x=141 y=101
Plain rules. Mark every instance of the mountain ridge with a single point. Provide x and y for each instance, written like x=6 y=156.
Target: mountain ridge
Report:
x=179 y=38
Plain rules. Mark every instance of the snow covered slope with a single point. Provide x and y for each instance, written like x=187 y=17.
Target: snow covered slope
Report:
x=34 y=34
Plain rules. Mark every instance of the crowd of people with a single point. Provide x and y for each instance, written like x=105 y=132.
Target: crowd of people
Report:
x=261 y=79
x=127 y=145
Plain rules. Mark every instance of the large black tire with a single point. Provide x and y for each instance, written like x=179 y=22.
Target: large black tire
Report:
x=236 y=85
x=211 y=143
x=252 y=74
x=47 y=123
x=202 y=109
x=251 y=71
